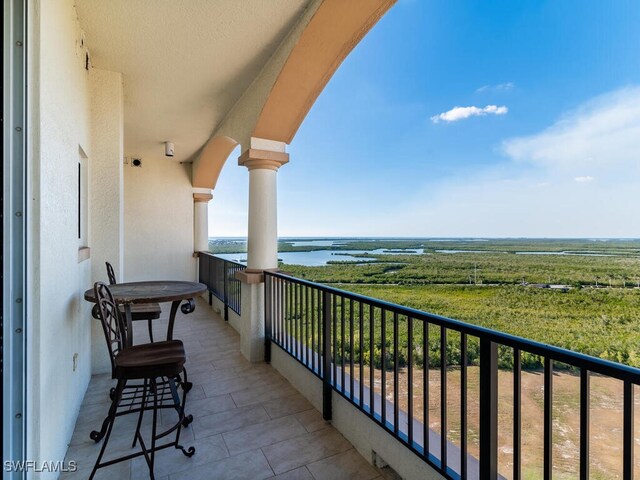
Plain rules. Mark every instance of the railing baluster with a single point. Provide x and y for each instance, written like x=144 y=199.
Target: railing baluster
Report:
x=296 y=320
x=372 y=403
x=342 y=341
x=488 y=409
x=280 y=314
x=313 y=327
x=326 y=359
x=517 y=414
x=383 y=356
x=351 y=348
x=291 y=287
x=268 y=318
x=361 y=332
x=463 y=405
x=628 y=438
x=212 y=274
x=396 y=408
x=321 y=352
x=285 y=304
x=287 y=310
x=300 y=334
x=334 y=378
x=548 y=419
x=225 y=281
x=308 y=349
x=443 y=398
x=301 y=323
x=410 y=381
x=425 y=388
x=585 y=415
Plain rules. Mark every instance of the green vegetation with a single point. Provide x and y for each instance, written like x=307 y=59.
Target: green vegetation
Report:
x=603 y=322
x=485 y=268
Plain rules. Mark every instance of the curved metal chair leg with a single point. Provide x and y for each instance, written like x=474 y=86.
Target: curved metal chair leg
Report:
x=110 y=420
x=150 y=326
x=142 y=404
x=154 y=427
x=96 y=435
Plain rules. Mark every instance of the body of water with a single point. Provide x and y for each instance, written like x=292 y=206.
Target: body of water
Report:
x=322 y=257
x=318 y=258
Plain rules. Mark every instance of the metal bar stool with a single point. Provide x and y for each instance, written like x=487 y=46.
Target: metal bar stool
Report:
x=159 y=365
x=146 y=311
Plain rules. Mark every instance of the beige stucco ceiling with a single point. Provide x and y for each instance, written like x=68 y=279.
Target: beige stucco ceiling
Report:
x=184 y=62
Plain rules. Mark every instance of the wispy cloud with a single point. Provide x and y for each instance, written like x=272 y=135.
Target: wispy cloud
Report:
x=460 y=113
x=595 y=145
x=603 y=136
x=584 y=179
x=501 y=87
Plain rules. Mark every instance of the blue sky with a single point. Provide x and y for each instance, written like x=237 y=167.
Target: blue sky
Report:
x=475 y=118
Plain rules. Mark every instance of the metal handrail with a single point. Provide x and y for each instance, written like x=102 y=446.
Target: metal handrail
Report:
x=314 y=324
x=570 y=357
x=214 y=271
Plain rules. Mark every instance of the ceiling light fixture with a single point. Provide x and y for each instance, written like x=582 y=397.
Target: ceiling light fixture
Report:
x=168 y=149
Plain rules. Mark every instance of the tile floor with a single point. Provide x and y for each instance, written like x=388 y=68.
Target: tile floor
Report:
x=249 y=422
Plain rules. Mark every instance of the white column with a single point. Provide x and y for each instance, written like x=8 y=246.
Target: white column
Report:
x=201 y=219
x=262 y=242
x=263 y=161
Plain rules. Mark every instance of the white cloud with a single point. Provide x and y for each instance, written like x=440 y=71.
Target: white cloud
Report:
x=547 y=173
x=602 y=135
x=460 y=113
x=584 y=179
x=501 y=87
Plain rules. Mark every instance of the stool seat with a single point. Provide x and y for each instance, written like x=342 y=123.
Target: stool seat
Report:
x=143 y=311
x=150 y=360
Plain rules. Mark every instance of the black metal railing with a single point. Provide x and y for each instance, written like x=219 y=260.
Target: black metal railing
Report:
x=219 y=275
x=380 y=357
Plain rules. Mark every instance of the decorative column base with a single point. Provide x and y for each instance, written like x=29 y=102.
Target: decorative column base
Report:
x=252 y=326
x=252 y=314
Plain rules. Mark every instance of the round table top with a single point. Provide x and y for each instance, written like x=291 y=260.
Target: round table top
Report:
x=149 y=292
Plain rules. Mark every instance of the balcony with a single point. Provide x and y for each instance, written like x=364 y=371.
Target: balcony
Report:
x=249 y=422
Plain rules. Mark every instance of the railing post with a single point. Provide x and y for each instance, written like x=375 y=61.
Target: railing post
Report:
x=627 y=435
x=326 y=356
x=488 y=409
x=225 y=275
x=268 y=319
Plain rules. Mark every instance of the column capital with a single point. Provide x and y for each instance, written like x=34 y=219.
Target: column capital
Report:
x=202 y=195
x=254 y=158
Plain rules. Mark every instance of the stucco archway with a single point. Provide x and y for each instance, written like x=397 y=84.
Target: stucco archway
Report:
x=276 y=104
x=211 y=161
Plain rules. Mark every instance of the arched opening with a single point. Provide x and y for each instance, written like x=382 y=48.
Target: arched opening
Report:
x=207 y=168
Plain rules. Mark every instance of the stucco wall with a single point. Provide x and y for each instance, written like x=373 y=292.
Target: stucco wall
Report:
x=106 y=190
x=158 y=216
x=59 y=324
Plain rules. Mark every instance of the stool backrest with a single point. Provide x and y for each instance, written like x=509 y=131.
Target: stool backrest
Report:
x=112 y=324
x=111 y=274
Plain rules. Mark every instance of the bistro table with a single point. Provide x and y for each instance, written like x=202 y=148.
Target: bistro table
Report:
x=127 y=294
x=130 y=293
